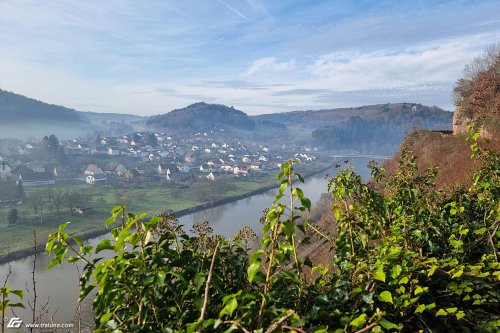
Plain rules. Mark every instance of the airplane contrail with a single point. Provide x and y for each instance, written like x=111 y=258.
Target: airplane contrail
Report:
x=234 y=10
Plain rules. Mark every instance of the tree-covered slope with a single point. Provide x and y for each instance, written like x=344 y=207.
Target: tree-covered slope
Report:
x=397 y=113
x=16 y=108
x=202 y=115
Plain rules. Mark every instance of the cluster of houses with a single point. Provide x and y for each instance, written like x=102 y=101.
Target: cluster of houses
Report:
x=30 y=174
x=139 y=156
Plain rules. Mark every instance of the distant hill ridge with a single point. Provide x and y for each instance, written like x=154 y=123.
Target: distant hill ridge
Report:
x=390 y=112
x=15 y=108
x=202 y=115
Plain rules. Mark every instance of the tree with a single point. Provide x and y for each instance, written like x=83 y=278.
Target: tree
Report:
x=39 y=200
x=56 y=196
x=50 y=145
x=49 y=149
x=489 y=60
x=150 y=139
x=12 y=217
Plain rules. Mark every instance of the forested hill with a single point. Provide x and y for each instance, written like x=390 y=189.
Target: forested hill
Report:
x=374 y=128
x=16 y=108
x=202 y=115
x=412 y=113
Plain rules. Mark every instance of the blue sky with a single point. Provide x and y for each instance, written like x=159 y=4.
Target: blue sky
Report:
x=149 y=57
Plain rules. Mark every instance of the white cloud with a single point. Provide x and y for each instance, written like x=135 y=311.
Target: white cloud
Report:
x=386 y=68
x=269 y=64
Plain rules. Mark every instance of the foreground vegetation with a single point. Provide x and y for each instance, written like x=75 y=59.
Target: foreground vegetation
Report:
x=414 y=258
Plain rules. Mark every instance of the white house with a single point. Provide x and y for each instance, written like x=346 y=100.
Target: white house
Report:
x=211 y=176
x=243 y=171
x=96 y=178
x=255 y=166
x=5 y=169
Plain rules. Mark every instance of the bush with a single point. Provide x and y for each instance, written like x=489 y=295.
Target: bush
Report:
x=12 y=217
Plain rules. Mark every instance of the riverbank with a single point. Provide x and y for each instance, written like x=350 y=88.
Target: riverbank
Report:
x=28 y=251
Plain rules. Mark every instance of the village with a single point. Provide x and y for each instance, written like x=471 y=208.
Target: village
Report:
x=146 y=156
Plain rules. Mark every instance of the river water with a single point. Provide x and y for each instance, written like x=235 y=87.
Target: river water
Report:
x=59 y=286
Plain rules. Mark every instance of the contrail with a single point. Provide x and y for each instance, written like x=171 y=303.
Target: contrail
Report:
x=234 y=10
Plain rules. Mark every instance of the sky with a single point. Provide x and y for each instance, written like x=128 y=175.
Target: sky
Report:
x=150 y=57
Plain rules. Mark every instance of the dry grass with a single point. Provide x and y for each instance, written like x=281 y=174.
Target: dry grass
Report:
x=450 y=154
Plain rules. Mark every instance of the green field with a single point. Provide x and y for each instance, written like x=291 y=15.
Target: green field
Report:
x=150 y=197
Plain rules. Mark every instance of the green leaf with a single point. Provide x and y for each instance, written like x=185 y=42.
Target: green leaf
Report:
x=17 y=305
x=199 y=280
x=385 y=296
x=231 y=305
x=288 y=228
x=105 y=244
x=50 y=245
x=306 y=203
x=420 y=308
x=78 y=241
x=106 y=317
x=52 y=263
x=301 y=179
x=297 y=192
x=430 y=306
x=63 y=226
x=252 y=271
x=395 y=271
x=451 y=310
x=379 y=275
x=358 y=322
x=147 y=237
x=388 y=325
x=418 y=290
x=441 y=312
x=283 y=187
x=460 y=315
x=458 y=273
x=18 y=293
x=337 y=212
x=480 y=231
x=404 y=280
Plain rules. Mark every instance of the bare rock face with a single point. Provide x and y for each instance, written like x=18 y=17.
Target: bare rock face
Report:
x=460 y=121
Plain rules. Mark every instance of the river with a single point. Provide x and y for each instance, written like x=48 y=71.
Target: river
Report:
x=59 y=286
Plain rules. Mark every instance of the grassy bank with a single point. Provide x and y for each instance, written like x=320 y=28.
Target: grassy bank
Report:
x=153 y=198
